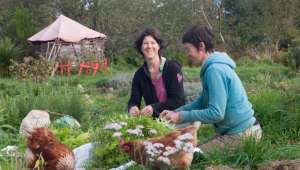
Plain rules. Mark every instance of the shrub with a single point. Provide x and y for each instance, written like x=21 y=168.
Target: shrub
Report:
x=127 y=58
x=31 y=69
x=292 y=57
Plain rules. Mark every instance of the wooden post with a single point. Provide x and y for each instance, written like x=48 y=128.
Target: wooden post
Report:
x=47 y=51
x=57 y=50
x=53 y=46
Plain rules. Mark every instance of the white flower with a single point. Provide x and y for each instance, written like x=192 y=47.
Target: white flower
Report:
x=147 y=143
x=10 y=150
x=149 y=152
x=170 y=151
x=123 y=123
x=158 y=145
x=153 y=131
x=169 y=148
x=113 y=126
x=188 y=147
x=153 y=150
x=80 y=88
x=186 y=136
x=164 y=159
x=178 y=144
x=137 y=132
x=140 y=127
x=88 y=98
x=117 y=134
x=151 y=159
x=157 y=151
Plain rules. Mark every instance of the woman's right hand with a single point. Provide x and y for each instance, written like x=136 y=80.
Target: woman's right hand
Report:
x=134 y=111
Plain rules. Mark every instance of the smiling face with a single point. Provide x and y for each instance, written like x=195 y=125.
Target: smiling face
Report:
x=150 y=48
x=195 y=55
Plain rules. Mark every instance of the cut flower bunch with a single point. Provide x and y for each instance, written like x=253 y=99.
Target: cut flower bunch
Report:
x=106 y=152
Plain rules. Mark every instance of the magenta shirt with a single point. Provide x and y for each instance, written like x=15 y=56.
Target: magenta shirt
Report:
x=160 y=89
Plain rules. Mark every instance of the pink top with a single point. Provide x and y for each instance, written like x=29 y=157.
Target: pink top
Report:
x=160 y=89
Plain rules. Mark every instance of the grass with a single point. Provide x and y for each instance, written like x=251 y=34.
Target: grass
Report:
x=191 y=74
x=273 y=89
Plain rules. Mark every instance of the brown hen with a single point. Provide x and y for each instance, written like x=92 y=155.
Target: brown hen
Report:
x=42 y=143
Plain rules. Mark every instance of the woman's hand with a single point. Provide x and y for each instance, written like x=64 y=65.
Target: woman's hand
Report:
x=134 y=111
x=147 y=111
x=173 y=117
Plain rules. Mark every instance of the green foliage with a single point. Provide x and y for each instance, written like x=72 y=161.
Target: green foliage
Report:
x=261 y=72
x=31 y=69
x=179 y=56
x=257 y=23
x=249 y=153
x=277 y=108
x=20 y=27
x=103 y=82
x=127 y=58
x=72 y=137
x=292 y=57
x=107 y=153
x=8 y=51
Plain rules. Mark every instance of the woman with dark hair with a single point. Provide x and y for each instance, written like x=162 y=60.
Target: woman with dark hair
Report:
x=223 y=102
x=159 y=80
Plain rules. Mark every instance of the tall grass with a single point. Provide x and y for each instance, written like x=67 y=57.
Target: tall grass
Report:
x=21 y=97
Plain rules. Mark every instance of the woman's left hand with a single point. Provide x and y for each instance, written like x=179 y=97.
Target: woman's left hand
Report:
x=147 y=111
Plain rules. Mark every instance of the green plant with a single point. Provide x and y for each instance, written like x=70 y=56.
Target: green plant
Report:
x=248 y=154
x=127 y=58
x=104 y=82
x=72 y=137
x=8 y=51
x=176 y=55
x=291 y=58
x=75 y=107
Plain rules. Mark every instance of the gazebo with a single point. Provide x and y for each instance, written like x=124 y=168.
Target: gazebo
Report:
x=66 y=37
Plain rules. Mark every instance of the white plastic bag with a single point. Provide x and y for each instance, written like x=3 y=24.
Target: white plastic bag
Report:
x=82 y=154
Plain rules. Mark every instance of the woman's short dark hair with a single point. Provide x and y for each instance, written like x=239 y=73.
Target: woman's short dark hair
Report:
x=155 y=34
x=195 y=35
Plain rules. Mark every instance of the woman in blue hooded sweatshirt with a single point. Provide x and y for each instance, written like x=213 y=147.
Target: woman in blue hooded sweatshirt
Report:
x=223 y=101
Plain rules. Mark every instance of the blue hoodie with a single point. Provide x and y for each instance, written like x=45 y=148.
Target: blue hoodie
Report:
x=223 y=101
